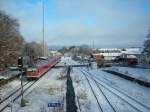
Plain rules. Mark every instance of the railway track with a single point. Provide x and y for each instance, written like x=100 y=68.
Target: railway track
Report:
x=11 y=93
x=109 y=105
x=14 y=95
x=103 y=87
x=119 y=91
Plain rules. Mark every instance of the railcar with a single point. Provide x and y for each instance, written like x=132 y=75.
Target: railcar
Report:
x=41 y=67
x=129 y=60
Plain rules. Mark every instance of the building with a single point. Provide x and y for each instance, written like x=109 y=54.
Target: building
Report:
x=55 y=53
x=111 y=53
x=144 y=59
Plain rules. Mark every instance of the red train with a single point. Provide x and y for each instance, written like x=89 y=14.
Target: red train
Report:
x=35 y=71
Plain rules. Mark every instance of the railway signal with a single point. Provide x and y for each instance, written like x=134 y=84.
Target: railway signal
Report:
x=20 y=66
x=20 y=62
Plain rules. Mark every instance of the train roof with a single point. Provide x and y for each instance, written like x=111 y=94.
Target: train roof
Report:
x=131 y=56
x=43 y=58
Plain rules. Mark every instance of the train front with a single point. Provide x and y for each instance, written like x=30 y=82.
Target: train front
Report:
x=32 y=72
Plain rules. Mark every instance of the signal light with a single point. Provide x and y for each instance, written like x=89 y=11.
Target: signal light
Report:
x=20 y=62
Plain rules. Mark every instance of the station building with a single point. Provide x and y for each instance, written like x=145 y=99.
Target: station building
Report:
x=111 y=53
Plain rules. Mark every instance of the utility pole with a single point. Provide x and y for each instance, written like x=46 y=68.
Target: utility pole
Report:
x=43 y=29
x=22 y=99
x=93 y=44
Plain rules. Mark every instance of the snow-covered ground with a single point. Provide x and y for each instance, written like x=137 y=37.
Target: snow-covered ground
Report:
x=50 y=89
x=140 y=93
x=8 y=74
x=135 y=91
x=108 y=101
x=83 y=101
x=139 y=73
x=88 y=102
x=7 y=88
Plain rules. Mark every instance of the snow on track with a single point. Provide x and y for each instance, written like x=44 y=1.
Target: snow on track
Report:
x=102 y=101
x=140 y=93
x=13 y=96
x=128 y=100
x=49 y=90
x=9 y=87
x=139 y=73
x=82 y=92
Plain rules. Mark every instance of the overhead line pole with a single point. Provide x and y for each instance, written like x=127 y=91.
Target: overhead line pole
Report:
x=43 y=29
x=93 y=44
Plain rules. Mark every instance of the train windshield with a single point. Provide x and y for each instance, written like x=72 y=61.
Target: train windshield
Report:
x=31 y=69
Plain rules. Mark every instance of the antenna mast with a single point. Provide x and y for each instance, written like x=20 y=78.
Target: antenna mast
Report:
x=43 y=29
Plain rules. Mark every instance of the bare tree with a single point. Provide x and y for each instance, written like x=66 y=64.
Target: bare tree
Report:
x=33 y=49
x=11 y=41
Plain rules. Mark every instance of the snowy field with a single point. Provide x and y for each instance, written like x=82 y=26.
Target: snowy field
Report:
x=83 y=100
x=140 y=93
x=137 y=96
x=130 y=98
x=95 y=92
x=9 y=87
x=139 y=73
x=7 y=74
x=51 y=89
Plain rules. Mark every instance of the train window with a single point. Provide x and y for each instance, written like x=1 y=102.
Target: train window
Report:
x=31 y=69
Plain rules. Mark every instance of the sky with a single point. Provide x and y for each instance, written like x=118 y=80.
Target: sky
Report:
x=104 y=23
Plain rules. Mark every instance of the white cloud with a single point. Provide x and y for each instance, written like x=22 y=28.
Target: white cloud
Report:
x=116 y=23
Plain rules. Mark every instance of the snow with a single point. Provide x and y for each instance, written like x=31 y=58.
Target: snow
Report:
x=8 y=88
x=139 y=73
x=2 y=78
x=118 y=104
x=52 y=89
x=8 y=74
x=81 y=91
x=140 y=93
x=101 y=99
x=131 y=56
x=135 y=91
x=48 y=90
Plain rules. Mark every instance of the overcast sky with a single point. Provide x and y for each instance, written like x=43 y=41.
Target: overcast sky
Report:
x=109 y=23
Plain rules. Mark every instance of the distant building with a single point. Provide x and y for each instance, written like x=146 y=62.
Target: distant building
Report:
x=132 y=50
x=111 y=53
x=55 y=53
x=144 y=59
